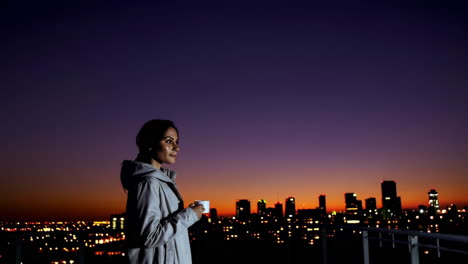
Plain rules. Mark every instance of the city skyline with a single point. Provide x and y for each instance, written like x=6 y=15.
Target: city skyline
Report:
x=270 y=102
x=252 y=205
x=270 y=205
x=99 y=241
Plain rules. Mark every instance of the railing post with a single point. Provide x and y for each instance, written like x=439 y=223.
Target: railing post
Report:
x=365 y=244
x=414 y=249
x=19 y=254
x=323 y=235
x=82 y=250
x=82 y=257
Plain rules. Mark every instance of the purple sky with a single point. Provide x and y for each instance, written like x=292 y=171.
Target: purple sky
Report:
x=270 y=102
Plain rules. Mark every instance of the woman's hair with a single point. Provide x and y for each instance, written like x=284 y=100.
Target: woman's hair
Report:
x=149 y=136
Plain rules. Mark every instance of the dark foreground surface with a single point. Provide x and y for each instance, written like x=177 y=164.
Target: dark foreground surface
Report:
x=338 y=250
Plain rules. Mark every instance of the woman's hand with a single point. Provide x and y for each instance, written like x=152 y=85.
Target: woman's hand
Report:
x=198 y=208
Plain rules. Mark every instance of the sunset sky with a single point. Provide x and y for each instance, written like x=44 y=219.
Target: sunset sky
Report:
x=270 y=102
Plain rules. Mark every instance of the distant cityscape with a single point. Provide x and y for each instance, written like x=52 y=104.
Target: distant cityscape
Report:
x=272 y=227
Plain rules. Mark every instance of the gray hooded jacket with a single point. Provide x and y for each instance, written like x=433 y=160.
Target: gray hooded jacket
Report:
x=157 y=222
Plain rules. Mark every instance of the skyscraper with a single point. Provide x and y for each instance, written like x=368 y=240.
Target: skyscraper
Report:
x=214 y=214
x=242 y=209
x=278 y=210
x=433 y=201
x=391 y=203
x=353 y=205
x=322 y=203
x=353 y=208
x=290 y=207
x=261 y=207
x=371 y=204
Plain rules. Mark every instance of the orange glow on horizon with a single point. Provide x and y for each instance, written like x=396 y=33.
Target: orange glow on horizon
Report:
x=105 y=198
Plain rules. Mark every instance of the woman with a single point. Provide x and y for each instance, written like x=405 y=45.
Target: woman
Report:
x=157 y=222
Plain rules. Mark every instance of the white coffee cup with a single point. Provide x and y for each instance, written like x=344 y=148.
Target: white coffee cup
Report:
x=205 y=203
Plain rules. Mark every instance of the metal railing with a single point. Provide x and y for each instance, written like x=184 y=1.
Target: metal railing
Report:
x=413 y=241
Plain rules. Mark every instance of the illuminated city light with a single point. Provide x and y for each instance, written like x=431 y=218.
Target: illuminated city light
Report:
x=303 y=228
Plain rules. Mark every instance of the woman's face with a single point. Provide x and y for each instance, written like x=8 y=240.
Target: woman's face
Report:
x=168 y=147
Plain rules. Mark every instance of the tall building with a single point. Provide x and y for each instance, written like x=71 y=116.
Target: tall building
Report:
x=353 y=205
x=214 y=214
x=278 y=210
x=322 y=203
x=371 y=204
x=433 y=201
x=261 y=207
x=353 y=208
x=243 y=209
x=290 y=207
x=391 y=203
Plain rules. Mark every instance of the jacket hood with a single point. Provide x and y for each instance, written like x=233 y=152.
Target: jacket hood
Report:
x=133 y=171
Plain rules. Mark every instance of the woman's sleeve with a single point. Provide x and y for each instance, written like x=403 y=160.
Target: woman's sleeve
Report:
x=155 y=231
